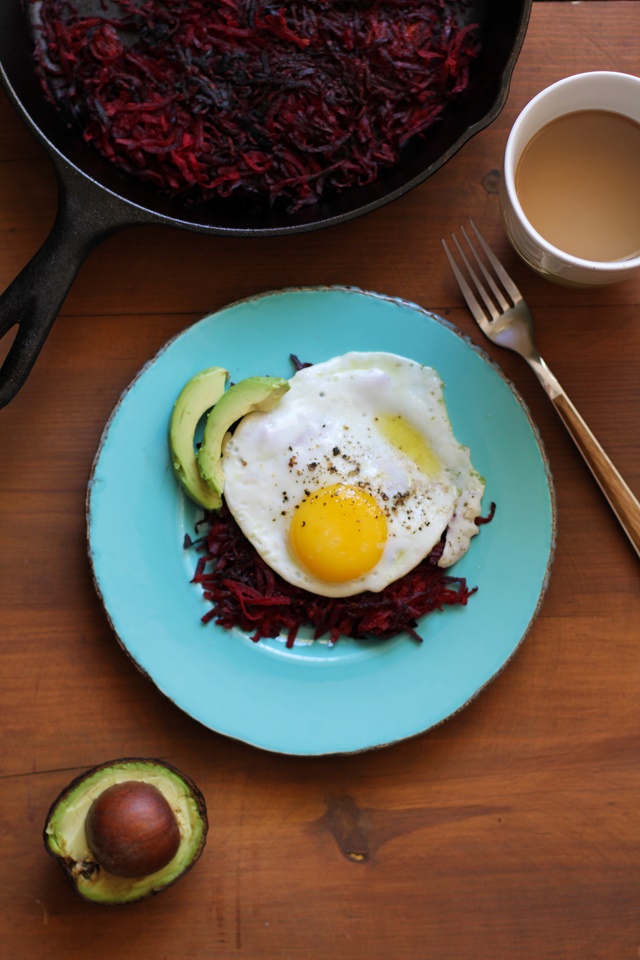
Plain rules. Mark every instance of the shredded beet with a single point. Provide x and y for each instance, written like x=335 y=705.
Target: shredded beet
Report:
x=244 y=592
x=480 y=521
x=270 y=102
x=298 y=363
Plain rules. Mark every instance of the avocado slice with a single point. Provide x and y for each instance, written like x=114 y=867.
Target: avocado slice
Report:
x=198 y=395
x=69 y=818
x=248 y=396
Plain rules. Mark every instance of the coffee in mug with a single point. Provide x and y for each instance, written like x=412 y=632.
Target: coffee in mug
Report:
x=570 y=191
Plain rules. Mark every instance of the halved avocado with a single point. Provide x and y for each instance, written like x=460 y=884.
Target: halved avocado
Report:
x=248 y=396
x=70 y=817
x=198 y=395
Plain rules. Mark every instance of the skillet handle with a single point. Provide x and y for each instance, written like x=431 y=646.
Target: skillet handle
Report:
x=86 y=215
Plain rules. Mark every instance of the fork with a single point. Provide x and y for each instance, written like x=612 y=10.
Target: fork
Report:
x=504 y=317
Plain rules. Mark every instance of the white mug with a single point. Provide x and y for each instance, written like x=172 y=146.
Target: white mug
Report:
x=598 y=90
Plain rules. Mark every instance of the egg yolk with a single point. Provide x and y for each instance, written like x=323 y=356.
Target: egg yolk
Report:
x=402 y=435
x=338 y=533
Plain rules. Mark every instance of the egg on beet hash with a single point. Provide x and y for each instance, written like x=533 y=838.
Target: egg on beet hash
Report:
x=353 y=477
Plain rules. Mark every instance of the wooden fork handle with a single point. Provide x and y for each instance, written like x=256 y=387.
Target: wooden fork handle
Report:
x=623 y=503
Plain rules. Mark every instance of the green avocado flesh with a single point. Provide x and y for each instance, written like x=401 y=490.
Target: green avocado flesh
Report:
x=248 y=396
x=197 y=397
x=65 y=836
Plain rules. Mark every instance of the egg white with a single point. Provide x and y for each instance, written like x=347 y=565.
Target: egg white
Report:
x=328 y=429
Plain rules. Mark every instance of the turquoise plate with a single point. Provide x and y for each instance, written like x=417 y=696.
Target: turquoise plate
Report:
x=316 y=699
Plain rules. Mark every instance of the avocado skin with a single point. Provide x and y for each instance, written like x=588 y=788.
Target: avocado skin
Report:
x=198 y=395
x=248 y=396
x=84 y=873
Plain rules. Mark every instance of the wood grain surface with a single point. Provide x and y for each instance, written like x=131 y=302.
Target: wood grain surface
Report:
x=511 y=831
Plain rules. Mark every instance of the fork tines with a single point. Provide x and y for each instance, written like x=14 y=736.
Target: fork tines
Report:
x=508 y=286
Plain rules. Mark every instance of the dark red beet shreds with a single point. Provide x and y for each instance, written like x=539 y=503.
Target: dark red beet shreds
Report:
x=246 y=593
x=276 y=103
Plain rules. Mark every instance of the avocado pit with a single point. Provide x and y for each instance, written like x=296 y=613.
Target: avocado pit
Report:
x=131 y=829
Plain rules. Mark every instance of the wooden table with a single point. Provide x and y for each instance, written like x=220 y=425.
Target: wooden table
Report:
x=512 y=830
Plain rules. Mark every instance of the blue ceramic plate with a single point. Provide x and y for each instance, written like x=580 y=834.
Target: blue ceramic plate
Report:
x=316 y=699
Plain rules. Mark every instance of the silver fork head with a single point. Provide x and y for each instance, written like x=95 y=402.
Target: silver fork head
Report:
x=495 y=301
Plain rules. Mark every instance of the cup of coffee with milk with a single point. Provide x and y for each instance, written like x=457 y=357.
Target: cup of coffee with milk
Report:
x=570 y=186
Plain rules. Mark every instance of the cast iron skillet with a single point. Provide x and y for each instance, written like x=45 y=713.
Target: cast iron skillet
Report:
x=95 y=200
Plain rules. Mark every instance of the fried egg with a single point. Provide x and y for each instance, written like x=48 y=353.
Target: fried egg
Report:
x=353 y=477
